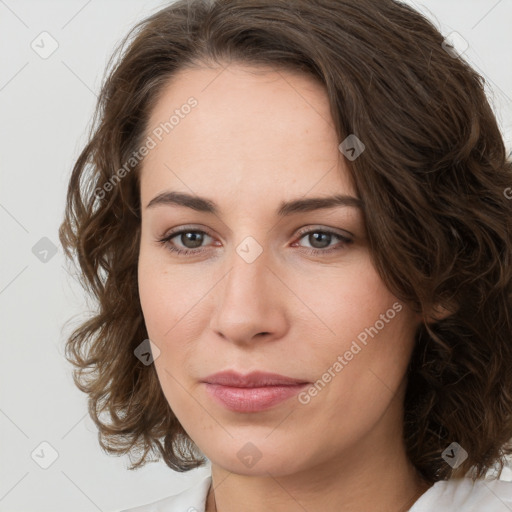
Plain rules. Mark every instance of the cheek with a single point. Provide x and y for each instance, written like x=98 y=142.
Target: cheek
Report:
x=167 y=300
x=368 y=339
x=172 y=299
x=154 y=298
x=169 y=294
x=345 y=301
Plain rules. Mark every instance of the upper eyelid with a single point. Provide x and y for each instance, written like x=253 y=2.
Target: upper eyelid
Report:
x=333 y=231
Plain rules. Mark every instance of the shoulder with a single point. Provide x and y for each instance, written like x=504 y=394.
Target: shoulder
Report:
x=192 y=499
x=464 y=495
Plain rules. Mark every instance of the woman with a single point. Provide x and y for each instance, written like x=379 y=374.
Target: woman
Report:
x=293 y=218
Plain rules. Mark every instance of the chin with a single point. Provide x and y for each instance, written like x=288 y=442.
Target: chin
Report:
x=253 y=455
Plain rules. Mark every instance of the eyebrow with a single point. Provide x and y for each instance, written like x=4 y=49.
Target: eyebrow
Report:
x=202 y=204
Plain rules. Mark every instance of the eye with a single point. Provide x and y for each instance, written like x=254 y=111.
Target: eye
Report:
x=187 y=241
x=320 y=240
x=191 y=241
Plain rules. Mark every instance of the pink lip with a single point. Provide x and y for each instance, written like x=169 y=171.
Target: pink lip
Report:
x=254 y=392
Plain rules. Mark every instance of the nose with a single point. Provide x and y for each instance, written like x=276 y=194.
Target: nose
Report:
x=250 y=302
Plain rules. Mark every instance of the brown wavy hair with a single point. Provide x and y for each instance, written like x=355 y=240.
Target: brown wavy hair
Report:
x=432 y=179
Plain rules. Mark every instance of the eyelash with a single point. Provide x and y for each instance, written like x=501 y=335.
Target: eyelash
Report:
x=165 y=241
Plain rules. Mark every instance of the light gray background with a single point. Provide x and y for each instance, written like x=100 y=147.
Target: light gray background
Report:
x=46 y=107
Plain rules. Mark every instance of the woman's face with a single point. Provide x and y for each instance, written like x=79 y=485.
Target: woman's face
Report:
x=272 y=282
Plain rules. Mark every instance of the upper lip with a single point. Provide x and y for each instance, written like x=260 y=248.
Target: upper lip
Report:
x=251 y=380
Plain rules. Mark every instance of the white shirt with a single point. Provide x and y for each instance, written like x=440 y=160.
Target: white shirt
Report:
x=459 y=495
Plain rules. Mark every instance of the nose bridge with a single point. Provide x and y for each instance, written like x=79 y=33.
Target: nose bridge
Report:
x=247 y=278
x=247 y=302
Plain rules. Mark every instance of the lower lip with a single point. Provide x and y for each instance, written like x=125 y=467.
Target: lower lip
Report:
x=252 y=399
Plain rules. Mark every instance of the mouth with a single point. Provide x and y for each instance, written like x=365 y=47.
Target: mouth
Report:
x=254 y=392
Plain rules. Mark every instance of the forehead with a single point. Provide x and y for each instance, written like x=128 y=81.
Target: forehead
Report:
x=248 y=125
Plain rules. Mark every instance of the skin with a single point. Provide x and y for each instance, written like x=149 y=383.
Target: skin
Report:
x=259 y=137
